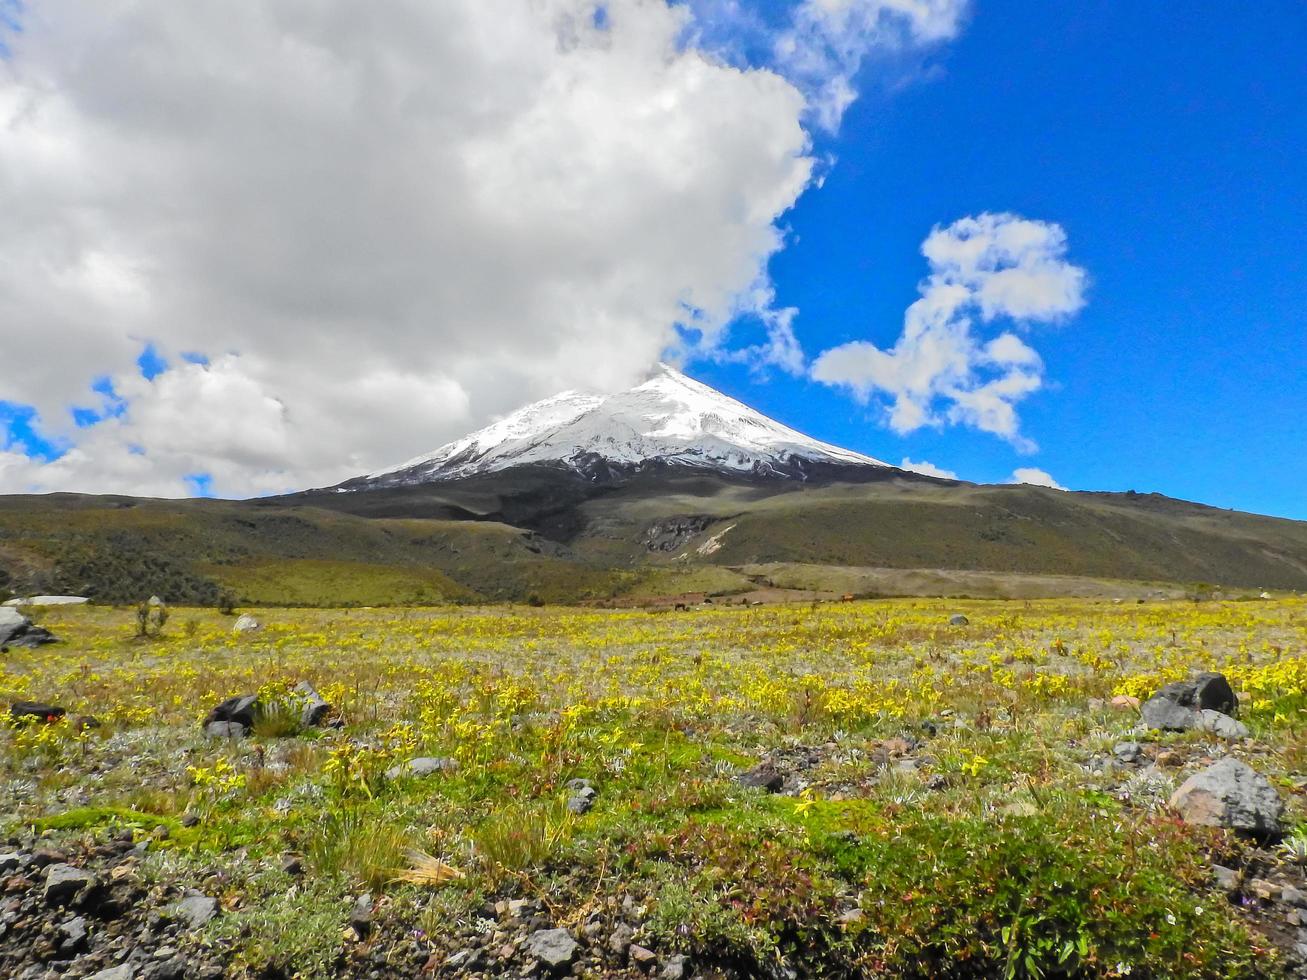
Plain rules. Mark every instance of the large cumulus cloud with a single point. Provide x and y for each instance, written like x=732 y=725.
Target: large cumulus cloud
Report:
x=378 y=223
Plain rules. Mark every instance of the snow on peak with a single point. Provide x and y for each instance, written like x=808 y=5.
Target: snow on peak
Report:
x=669 y=417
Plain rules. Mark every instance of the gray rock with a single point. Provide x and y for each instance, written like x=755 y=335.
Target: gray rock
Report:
x=10 y=862
x=315 y=708
x=196 y=910
x=242 y=709
x=16 y=630
x=1128 y=752
x=1206 y=690
x=677 y=967
x=225 y=729
x=555 y=948
x=1165 y=715
x=582 y=799
x=72 y=935
x=63 y=881
x=123 y=972
x=424 y=766
x=1293 y=896
x=642 y=956
x=245 y=623
x=620 y=940
x=957 y=619
x=764 y=777
x=1230 y=793
x=1220 y=724
x=1227 y=879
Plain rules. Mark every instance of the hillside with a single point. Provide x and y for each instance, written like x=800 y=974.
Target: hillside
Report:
x=539 y=532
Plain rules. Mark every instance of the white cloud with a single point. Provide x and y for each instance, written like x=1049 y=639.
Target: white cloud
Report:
x=942 y=369
x=1035 y=478
x=383 y=223
x=927 y=469
x=829 y=39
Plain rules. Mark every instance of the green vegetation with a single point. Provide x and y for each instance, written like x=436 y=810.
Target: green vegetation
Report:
x=945 y=806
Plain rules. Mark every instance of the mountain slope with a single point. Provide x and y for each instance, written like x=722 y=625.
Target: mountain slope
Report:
x=668 y=420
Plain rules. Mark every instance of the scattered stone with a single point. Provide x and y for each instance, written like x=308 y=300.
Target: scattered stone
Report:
x=555 y=948
x=360 y=916
x=583 y=796
x=63 y=882
x=1221 y=724
x=9 y=862
x=122 y=972
x=190 y=819
x=72 y=935
x=1128 y=752
x=850 y=918
x=49 y=600
x=765 y=777
x=85 y=723
x=315 y=708
x=241 y=709
x=245 y=623
x=196 y=910
x=642 y=957
x=1293 y=896
x=619 y=942
x=424 y=766
x=1230 y=793
x=1263 y=889
x=292 y=864
x=957 y=619
x=677 y=967
x=1227 y=879
x=36 y=709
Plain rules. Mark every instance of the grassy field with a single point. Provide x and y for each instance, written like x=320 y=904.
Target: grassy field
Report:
x=950 y=804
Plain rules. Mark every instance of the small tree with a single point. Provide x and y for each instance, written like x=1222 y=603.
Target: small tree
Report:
x=226 y=602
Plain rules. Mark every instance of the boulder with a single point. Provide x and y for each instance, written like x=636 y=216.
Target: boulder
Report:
x=225 y=729
x=582 y=798
x=54 y=600
x=1221 y=724
x=555 y=948
x=1190 y=704
x=1232 y=794
x=16 y=630
x=1206 y=690
x=196 y=910
x=124 y=971
x=242 y=709
x=63 y=882
x=1128 y=752
x=245 y=623
x=423 y=766
x=36 y=709
x=315 y=708
x=957 y=619
x=765 y=777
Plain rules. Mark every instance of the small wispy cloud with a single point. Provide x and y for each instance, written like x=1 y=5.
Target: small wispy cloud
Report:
x=945 y=368
x=927 y=469
x=1032 y=476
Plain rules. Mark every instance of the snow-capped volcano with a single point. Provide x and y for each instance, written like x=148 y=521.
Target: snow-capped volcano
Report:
x=669 y=419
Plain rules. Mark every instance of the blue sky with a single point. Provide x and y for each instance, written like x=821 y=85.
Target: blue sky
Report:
x=264 y=275
x=1173 y=151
